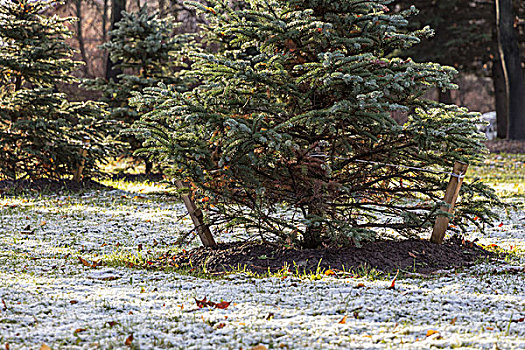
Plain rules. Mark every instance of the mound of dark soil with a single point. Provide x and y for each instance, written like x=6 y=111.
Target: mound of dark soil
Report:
x=408 y=255
x=50 y=185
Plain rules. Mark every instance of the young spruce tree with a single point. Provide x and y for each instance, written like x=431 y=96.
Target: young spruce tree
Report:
x=144 y=47
x=41 y=133
x=290 y=133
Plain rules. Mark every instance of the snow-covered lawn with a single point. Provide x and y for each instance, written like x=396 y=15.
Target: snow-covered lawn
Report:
x=49 y=297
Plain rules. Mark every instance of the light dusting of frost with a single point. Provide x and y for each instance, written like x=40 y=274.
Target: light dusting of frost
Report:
x=51 y=298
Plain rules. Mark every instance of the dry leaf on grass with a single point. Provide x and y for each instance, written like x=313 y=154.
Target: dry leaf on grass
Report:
x=204 y=303
x=112 y=323
x=343 y=320
x=129 y=339
x=222 y=305
x=393 y=284
x=208 y=303
x=259 y=347
x=431 y=332
x=45 y=347
x=93 y=265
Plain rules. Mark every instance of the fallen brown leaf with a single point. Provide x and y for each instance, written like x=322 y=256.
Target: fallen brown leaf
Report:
x=129 y=339
x=431 y=332
x=393 y=284
x=453 y=321
x=45 y=347
x=93 y=265
x=72 y=302
x=259 y=347
x=222 y=305
x=343 y=320
x=79 y=330
x=112 y=323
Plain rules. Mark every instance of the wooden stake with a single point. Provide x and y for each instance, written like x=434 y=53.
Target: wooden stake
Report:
x=83 y=152
x=451 y=195
x=197 y=217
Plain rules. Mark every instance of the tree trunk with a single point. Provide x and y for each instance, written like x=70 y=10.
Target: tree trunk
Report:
x=116 y=15
x=445 y=97
x=148 y=166
x=500 y=95
x=312 y=234
x=105 y=21
x=162 y=8
x=511 y=64
x=80 y=37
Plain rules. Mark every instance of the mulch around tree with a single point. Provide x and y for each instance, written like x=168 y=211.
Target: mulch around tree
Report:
x=49 y=185
x=409 y=255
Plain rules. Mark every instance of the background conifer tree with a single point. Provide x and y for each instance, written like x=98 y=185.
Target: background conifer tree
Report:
x=41 y=133
x=144 y=48
x=290 y=130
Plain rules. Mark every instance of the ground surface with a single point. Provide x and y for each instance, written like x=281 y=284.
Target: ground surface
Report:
x=53 y=290
x=506 y=146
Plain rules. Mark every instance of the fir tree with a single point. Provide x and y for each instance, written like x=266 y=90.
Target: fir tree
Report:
x=290 y=130
x=144 y=48
x=41 y=133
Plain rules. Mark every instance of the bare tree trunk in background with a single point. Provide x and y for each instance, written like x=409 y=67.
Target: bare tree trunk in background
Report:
x=445 y=97
x=511 y=64
x=500 y=95
x=116 y=15
x=105 y=21
x=80 y=37
x=162 y=8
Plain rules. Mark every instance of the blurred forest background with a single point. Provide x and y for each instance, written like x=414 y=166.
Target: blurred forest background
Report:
x=465 y=38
